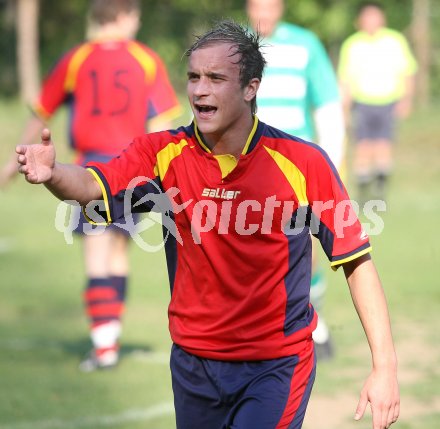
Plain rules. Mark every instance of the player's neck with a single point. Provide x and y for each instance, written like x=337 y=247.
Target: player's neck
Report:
x=111 y=31
x=231 y=141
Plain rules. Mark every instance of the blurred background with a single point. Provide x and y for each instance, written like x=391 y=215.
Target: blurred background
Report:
x=34 y=32
x=42 y=328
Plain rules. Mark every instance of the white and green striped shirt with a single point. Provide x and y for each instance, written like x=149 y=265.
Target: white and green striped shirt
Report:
x=298 y=79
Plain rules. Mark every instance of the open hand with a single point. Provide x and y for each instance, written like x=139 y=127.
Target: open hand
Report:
x=37 y=161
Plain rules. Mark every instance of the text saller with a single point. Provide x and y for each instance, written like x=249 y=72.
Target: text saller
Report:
x=220 y=193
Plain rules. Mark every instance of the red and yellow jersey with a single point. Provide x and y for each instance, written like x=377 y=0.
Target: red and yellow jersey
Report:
x=112 y=88
x=237 y=234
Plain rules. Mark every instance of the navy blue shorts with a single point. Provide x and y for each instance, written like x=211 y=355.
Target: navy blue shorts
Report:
x=374 y=122
x=270 y=394
x=82 y=226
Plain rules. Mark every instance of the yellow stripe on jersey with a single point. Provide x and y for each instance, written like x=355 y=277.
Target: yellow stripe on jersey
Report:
x=293 y=175
x=104 y=197
x=335 y=265
x=227 y=163
x=72 y=70
x=166 y=155
x=145 y=60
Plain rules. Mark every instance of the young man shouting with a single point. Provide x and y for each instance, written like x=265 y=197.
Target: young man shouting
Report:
x=243 y=197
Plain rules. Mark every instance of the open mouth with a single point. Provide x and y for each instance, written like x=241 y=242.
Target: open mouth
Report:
x=205 y=110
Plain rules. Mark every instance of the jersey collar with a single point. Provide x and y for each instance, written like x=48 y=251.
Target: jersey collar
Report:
x=250 y=142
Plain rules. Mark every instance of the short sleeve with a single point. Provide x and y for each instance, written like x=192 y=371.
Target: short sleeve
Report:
x=53 y=92
x=334 y=220
x=126 y=180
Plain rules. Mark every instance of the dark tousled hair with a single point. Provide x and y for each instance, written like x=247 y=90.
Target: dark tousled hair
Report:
x=245 y=43
x=105 y=11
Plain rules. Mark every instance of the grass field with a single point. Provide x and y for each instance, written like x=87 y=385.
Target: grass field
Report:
x=43 y=332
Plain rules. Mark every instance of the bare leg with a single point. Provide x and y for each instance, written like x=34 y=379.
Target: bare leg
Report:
x=383 y=159
x=106 y=262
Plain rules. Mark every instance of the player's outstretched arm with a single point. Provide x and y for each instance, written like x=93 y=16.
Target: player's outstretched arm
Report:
x=67 y=182
x=381 y=388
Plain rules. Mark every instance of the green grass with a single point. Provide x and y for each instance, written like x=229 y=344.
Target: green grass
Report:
x=43 y=332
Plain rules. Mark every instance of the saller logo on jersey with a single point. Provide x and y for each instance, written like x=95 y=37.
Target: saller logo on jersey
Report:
x=219 y=193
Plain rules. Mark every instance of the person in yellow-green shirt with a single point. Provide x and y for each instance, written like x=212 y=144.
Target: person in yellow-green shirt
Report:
x=376 y=73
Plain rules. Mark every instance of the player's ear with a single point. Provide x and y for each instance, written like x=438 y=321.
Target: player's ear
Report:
x=251 y=89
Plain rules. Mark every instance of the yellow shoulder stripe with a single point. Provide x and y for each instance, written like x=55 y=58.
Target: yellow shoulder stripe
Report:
x=75 y=62
x=145 y=60
x=293 y=175
x=104 y=197
x=166 y=155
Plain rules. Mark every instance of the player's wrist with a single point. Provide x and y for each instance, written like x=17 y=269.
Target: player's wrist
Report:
x=386 y=362
x=55 y=176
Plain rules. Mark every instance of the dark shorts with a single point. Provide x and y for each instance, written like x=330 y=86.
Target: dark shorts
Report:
x=374 y=122
x=241 y=395
x=82 y=226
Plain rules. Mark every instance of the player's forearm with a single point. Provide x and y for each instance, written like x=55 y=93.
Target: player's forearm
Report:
x=72 y=182
x=369 y=299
